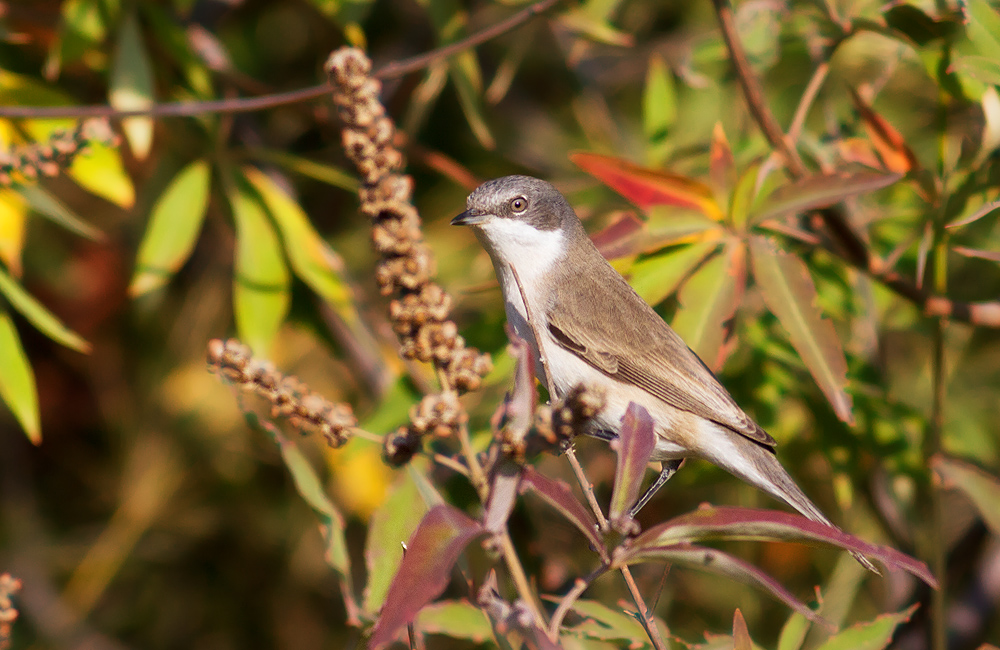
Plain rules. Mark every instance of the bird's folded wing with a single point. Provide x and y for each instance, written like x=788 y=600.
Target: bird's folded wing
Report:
x=657 y=361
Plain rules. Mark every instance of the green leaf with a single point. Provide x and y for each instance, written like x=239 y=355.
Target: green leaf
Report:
x=980 y=68
x=708 y=302
x=311 y=490
x=983 y=28
x=310 y=257
x=82 y=28
x=793 y=632
x=595 y=29
x=790 y=294
x=131 y=86
x=310 y=168
x=261 y=281
x=17 y=381
x=869 y=636
x=605 y=623
x=55 y=211
x=657 y=277
x=659 y=108
x=981 y=488
x=393 y=523
x=173 y=228
x=39 y=316
x=820 y=191
x=464 y=71
x=745 y=192
x=455 y=619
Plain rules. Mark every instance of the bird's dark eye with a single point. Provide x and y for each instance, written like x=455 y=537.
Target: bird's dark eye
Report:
x=519 y=204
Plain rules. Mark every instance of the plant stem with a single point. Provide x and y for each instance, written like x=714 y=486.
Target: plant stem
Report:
x=932 y=446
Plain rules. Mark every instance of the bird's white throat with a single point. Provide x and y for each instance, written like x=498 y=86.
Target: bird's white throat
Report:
x=532 y=252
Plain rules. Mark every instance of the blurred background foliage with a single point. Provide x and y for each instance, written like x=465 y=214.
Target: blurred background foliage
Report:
x=148 y=514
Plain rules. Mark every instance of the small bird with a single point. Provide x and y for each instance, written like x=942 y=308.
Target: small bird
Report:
x=594 y=329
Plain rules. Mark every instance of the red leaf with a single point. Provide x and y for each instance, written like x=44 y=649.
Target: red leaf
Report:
x=634 y=445
x=620 y=237
x=559 y=495
x=741 y=635
x=432 y=551
x=709 y=523
x=648 y=187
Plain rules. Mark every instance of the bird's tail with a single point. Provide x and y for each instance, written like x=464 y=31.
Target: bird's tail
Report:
x=759 y=466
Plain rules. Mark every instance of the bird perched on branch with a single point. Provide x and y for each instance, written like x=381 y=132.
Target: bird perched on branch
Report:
x=586 y=325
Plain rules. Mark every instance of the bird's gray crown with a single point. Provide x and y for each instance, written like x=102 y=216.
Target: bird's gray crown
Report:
x=545 y=208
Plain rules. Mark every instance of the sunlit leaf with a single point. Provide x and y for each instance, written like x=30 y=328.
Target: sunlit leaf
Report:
x=715 y=523
x=711 y=561
x=983 y=28
x=39 y=316
x=990 y=140
x=595 y=29
x=890 y=143
x=634 y=445
x=17 y=380
x=559 y=495
x=744 y=194
x=311 y=258
x=81 y=28
x=173 y=228
x=648 y=187
x=425 y=571
x=13 y=215
x=820 y=191
x=875 y=635
x=390 y=526
x=48 y=206
x=322 y=172
x=708 y=302
x=131 y=85
x=455 y=619
x=981 y=488
x=790 y=294
x=657 y=277
x=100 y=171
x=261 y=293
x=668 y=226
x=793 y=632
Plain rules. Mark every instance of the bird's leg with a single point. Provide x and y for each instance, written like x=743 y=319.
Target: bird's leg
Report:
x=668 y=469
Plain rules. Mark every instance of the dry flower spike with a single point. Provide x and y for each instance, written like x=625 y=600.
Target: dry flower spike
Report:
x=290 y=398
x=48 y=158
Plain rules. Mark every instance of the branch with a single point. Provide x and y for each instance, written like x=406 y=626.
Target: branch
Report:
x=247 y=105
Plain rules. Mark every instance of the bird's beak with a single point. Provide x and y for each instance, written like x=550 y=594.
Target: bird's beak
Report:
x=469 y=218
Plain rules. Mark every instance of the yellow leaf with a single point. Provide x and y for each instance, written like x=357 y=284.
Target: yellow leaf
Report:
x=13 y=214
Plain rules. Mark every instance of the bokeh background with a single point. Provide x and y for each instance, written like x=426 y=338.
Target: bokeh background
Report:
x=151 y=513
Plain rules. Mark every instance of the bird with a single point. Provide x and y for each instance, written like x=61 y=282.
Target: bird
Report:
x=585 y=325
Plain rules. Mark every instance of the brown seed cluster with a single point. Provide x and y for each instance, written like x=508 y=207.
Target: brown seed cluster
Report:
x=48 y=158
x=567 y=417
x=420 y=308
x=290 y=398
x=9 y=585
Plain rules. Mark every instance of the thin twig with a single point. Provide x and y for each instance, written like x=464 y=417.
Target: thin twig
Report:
x=648 y=622
x=246 y=105
x=938 y=550
x=806 y=102
x=571 y=597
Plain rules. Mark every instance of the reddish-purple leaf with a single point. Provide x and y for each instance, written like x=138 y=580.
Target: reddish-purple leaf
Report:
x=820 y=191
x=520 y=408
x=425 y=570
x=648 y=187
x=789 y=293
x=708 y=302
x=621 y=237
x=713 y=561
x=709 y=523
x=891 y=145
x=741 y=635
x=504 y=484
x=560 y=496
x=634 y=445
x=991 y=256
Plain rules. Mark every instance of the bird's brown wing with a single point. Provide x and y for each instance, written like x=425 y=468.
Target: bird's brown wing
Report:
x=632 y=344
